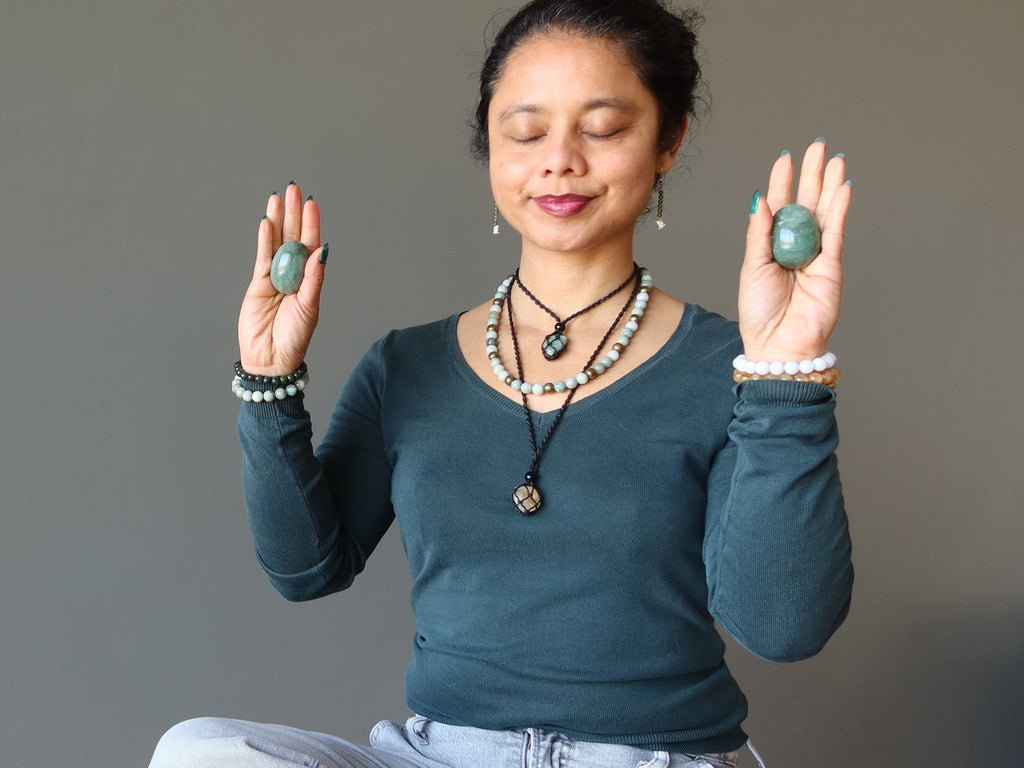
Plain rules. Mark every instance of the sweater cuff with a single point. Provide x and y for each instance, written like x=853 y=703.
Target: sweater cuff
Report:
x=783 y=393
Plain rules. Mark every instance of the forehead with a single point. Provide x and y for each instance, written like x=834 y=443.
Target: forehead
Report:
x=564 y=68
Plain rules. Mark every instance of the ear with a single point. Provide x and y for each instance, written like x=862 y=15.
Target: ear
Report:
x=668 y=157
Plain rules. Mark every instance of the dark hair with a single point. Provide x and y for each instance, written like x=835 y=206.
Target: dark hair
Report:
x=659 y=42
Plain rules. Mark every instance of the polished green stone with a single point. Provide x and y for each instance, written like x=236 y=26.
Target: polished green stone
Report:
x=287 y=267
x=796 y=238
x=554 y=344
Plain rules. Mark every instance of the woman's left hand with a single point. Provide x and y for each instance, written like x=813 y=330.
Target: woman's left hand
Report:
x=790 y=314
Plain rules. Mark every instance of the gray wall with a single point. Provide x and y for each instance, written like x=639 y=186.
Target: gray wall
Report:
x=139 y=143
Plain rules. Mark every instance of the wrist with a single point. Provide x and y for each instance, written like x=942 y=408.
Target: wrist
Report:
x=255 y=387
x=764 y=352
x=278 y=368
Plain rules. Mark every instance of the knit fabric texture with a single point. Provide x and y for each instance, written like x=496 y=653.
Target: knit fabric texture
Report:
x=673 y=499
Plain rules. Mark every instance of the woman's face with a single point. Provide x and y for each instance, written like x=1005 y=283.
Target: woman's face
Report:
x=573 y=138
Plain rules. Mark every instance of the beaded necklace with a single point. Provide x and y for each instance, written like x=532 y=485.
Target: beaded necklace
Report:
x=526 y=496
x=591 y=370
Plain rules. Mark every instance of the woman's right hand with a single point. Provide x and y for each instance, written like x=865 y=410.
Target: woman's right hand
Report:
x=274 y=329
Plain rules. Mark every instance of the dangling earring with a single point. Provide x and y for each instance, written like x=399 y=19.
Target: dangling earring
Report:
x=497 y=227
x=661 y=201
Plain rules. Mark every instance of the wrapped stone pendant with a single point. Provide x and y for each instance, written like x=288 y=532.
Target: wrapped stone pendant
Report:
x=527 y=499
x=796 y=237
x=554 y=343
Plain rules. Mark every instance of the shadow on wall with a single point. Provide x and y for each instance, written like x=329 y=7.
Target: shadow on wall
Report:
x=977 y=663
x=936 y=692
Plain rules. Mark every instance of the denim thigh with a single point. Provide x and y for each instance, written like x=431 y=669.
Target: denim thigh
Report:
x=450 y=746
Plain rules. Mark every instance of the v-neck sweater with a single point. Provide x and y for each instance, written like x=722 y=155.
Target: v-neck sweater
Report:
x=673 y=499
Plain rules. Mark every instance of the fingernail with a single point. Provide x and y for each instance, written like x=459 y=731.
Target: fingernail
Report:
x=755 y=200
x=309 y=198
x=323 y=253
x=820 y=138
x=840 y=154
x=265 y=217
x=292 y=184
x=274 y=194
x=784 y=153
x=848 y=183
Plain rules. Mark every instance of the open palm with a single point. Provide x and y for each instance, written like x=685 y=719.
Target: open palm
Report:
x=790 y=314
x=274 y=329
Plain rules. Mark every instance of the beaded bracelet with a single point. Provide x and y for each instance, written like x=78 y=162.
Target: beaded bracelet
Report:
x=272 y=382
x=266 y=389
x=792 y=368
x=828 y=377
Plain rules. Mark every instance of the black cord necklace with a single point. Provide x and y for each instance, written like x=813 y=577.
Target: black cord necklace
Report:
x=526 y=497
x=556 y=342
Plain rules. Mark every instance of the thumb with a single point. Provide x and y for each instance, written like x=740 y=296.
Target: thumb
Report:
x=313 y=278
x=759 y=232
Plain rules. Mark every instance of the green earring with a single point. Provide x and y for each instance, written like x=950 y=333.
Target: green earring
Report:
x=661 y=201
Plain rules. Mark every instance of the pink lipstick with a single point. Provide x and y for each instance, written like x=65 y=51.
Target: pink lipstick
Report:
x=562 y=206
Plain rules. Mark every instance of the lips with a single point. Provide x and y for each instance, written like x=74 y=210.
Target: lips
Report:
x=562 y=206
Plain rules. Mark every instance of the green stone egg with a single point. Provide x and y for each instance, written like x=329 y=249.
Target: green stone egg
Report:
x=796 y=238
x=287 y=267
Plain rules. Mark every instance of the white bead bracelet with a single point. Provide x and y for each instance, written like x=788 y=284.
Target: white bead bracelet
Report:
x=792 y=367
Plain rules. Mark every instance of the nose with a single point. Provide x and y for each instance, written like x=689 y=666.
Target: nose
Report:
x=564 y=154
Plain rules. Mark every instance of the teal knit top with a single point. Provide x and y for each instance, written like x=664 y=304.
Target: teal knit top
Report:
x=672 y=499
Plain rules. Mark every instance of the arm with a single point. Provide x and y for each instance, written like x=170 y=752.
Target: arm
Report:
x=777 y=545
x=316 y=515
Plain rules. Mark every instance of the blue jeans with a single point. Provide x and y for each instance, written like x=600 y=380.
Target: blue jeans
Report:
x=420 y=743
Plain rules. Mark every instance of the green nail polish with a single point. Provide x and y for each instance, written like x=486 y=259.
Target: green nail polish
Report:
x=309 y=198
x=265 y=217
x=820 y=138
x=323 y=253
x=754 y=201
x=292 y=183
x=274 y=194
x=784 y=153
x=840 y=154
x=848 y=183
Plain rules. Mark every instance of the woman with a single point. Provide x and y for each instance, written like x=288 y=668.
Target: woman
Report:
x=582 y=489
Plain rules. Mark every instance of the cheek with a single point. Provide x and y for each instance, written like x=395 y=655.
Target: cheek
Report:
x=636 y=179
x=508 y=172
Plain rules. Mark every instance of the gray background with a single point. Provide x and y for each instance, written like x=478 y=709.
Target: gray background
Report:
x=139 y=143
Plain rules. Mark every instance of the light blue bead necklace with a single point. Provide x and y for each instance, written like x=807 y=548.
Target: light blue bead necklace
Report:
x=590 y=372
x=526 y=496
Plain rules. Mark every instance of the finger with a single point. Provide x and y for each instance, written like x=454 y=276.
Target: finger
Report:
x=833 y=234
x=264 y=249
x=759 y=234
x=835 y=175
x=292 y=228
x=275 y=212
x=311 y=224
x=809 y=189
x=780 y=182
x=312 y=284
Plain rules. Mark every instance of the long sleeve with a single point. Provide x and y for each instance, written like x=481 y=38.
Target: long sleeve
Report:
x=316 y=515
x=777 y=545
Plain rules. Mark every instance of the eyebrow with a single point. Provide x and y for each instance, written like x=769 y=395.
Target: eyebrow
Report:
x=623 y=105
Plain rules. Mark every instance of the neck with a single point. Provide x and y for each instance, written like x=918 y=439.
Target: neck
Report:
x=567 y=282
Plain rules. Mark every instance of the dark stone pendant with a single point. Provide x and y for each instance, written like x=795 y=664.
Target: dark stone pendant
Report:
x=527 y=499
x=554 y=344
